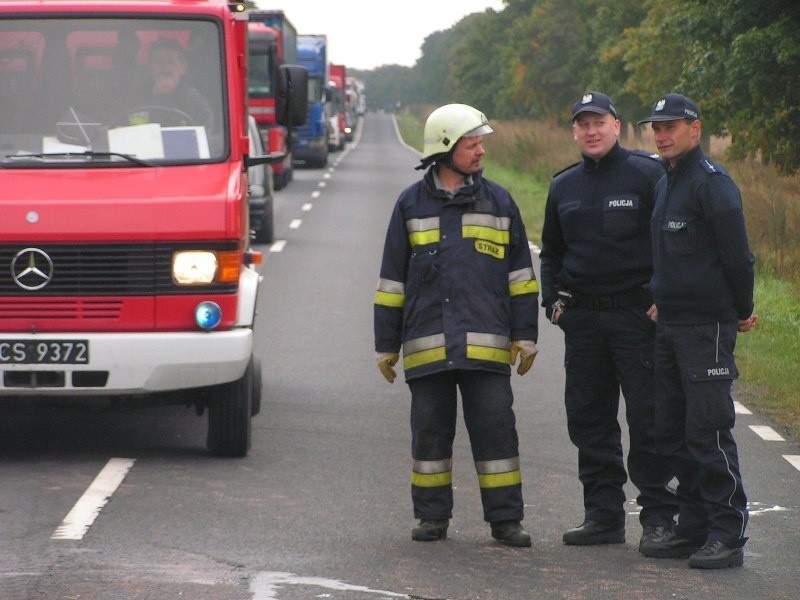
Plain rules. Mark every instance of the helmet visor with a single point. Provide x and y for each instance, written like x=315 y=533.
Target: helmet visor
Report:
x=482 y=130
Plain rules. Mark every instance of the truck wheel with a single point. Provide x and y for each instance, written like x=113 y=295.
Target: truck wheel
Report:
x=229 y=412
x=257 y=386
x=266 y=233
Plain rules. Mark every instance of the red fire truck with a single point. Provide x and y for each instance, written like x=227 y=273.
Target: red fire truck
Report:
x=125 y=266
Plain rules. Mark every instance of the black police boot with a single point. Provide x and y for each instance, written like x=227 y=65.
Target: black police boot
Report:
x=716 y=555
x=590 y=533
x=651 y=535
x=429 y=531
x=667 y=545
x=511 y=533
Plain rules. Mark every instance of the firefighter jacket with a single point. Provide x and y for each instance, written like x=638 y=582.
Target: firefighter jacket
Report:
x=456 y=283
x=596 y=232
x=703 y=266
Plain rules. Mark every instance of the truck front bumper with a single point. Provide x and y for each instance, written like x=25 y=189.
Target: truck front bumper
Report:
x=132 y=363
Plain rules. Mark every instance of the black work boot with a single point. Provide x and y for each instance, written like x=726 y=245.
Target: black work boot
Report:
x=590 y=533
x=429 y=531
x=668 y=545
x=716 y=555
x=511 y=533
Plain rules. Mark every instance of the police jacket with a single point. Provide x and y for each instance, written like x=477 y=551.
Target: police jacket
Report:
x=596 y=233
x=456 y=283
x=703 y=267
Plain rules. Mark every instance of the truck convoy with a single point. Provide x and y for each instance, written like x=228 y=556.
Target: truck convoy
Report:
x=272 y=42
x=311 y=143
x=338 y=81
x=125 y=265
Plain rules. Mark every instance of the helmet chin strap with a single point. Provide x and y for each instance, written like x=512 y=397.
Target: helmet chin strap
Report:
x=447 y=161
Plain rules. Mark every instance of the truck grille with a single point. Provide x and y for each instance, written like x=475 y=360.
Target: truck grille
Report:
x=101 y=270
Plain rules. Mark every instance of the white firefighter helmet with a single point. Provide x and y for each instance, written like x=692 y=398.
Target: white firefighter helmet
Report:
x=448 y=124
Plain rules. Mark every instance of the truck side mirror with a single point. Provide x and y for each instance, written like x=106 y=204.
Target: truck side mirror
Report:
x=291 y=101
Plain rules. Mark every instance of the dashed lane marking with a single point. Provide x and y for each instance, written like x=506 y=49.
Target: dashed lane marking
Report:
x=767 y=433
x=741 y=409
x=307 y=207
x=794 y=460
x=315 y=194
x=295 y=223
x=277 y=246
x=88 y=507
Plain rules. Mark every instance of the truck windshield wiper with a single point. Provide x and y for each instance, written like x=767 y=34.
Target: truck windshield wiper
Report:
x=88 y=154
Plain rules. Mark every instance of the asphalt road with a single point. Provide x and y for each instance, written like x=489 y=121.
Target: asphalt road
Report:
x=320 y=508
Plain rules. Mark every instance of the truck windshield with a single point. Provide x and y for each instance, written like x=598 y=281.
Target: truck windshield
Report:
x=110 y=91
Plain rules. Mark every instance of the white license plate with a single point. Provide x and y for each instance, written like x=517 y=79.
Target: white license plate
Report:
x=44 y=352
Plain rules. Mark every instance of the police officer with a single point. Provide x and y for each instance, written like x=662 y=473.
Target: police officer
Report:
x=703 y=290
x=596 y=264
x=457 y=291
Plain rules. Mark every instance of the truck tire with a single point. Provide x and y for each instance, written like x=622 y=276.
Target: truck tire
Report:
x=229 y=413
x=257 y=386
x=266 y=233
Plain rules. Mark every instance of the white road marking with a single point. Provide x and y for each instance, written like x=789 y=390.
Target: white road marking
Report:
x=321 y=184
x=767 y=433
x=265 y=585
x=794 y=460
x=327 y=176
x=277 y=246
x=295 y=223
x=80 y=518
x=315 y=194
x=759 y=508
x=741 y=409
x=307 y=206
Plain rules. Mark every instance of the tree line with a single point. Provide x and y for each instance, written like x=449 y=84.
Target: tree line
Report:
x=738 y=59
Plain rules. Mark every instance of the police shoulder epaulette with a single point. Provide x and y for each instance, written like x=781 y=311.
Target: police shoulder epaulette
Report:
x=646 y=154
x=566 y=169
x=711 y=168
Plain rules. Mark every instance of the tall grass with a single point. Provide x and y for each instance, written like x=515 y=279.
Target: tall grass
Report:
x=524 y=155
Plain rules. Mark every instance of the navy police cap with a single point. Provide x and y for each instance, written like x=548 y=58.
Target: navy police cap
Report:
x=595 y=102
x=673 y=107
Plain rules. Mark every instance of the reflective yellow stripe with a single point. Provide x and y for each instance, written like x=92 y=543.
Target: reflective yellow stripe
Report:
x=524 y=287
x=496 y=480
x=430 y=480
x=390 y=293
x=486 y=227
x=488 y=346
x=490 y=354
x=420 y=238
x=486 y=233
x=390 y=300
x=423 y=231
x=425 y=357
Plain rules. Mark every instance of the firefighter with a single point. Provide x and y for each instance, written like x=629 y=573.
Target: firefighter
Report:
x=596 y=264
x=703 y=290
x=458 y=293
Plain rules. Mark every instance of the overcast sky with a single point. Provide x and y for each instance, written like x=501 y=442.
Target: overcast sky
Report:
x=365 y=34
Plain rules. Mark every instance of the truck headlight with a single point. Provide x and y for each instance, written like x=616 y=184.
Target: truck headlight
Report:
x=193 y=267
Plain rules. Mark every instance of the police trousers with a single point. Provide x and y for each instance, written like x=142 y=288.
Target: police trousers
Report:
x=489 y=418
x=694 y=373
x=606 y=350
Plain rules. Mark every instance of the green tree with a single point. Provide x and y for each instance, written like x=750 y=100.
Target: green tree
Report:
x=554 y=64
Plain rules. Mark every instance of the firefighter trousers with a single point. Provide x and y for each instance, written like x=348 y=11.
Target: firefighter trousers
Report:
x=487 y=401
